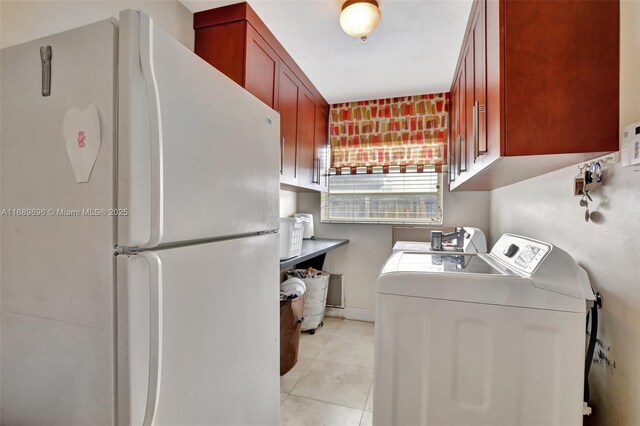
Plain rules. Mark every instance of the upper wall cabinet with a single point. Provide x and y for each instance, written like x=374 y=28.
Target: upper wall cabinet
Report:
x=289 y=108
x=533 y=78
x=321 y=147
x=261 y=68
x=236 y=41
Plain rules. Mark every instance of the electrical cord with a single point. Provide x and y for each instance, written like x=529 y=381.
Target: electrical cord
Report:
x=593 y=336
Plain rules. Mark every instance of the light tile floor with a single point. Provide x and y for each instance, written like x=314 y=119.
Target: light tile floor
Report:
x=331 y=385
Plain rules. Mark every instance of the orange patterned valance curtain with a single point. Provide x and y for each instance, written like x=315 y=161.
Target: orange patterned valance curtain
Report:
x=407 y=131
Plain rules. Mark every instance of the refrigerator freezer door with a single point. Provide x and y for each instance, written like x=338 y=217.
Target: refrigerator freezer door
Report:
x=57 y=268
x=198 y=155
x=198 y=334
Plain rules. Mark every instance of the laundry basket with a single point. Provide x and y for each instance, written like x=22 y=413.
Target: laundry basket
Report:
x=315 y=298
x=291 y=231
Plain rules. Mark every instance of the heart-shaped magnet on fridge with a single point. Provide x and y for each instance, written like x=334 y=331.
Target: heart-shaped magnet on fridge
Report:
x=82 y=136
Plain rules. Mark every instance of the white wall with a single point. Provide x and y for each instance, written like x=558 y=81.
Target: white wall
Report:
x=370 y=245
x=27 y=20
x=544 y=208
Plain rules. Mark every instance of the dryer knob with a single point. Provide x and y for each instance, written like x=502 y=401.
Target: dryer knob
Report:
x=511 y=250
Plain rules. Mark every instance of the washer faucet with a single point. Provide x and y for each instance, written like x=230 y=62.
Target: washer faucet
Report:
x=438 y=237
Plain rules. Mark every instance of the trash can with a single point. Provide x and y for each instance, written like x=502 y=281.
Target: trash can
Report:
x=291 y=316
x=315 y=300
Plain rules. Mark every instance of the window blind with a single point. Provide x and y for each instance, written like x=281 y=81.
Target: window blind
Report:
x=392 y=198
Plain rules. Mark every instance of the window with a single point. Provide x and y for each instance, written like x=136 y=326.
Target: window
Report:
x=394 y=198
x=388 y=159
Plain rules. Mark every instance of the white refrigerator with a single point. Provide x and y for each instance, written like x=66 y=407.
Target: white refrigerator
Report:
x=139 y=249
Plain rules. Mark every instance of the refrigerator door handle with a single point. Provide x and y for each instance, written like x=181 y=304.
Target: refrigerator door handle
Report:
x=155 y=336
x=155 y=130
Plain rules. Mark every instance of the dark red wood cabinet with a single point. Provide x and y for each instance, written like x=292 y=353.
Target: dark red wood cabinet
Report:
x=223 y=47
x=288 y=106
x=236 y=41
x=261 y=68
x=306 y=164
x=321 y=146
x=535 y=89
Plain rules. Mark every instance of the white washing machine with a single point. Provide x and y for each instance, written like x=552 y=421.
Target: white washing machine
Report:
x=485 y=339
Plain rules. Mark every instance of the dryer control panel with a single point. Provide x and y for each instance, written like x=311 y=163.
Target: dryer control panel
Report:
x=520 y=253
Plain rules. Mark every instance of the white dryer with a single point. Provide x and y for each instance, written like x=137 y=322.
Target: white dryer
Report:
x=486 y=339
x=474 y=242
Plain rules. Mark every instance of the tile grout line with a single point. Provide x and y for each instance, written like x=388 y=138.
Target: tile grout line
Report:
x=332 y=403
x=328 y=403
x=353 y=337
x=344 y=364
x=287 y=396
x=368 y=395
x=312 y=359
x=339 y=362
x=331 y=336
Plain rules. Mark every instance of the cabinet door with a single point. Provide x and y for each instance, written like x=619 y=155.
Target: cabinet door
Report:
x=321 y=143
x=261 y=68
x=456 y=99
x=480 y=79
x=222 y=46
x=288 y=96
x=469 y=93
x=469 y=97
x=561 y=84
x=306 y=159
x=460 y=142
x=453 y=132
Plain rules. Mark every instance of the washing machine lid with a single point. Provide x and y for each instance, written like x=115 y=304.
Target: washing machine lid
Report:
x=424 y=247
x=467 y=278
x=441 y=263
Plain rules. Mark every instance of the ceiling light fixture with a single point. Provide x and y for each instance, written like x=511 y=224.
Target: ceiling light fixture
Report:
x=359 y=17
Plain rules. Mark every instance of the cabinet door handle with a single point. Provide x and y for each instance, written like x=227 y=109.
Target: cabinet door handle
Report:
x=463 y=164
x=476 y=139
x=477 y=152
x=481 y=149
x=282 y=155
x=459 y=156
x=314 y=172
x=452 y=161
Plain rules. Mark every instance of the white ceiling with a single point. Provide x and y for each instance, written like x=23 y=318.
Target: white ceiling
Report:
x=413 y=51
